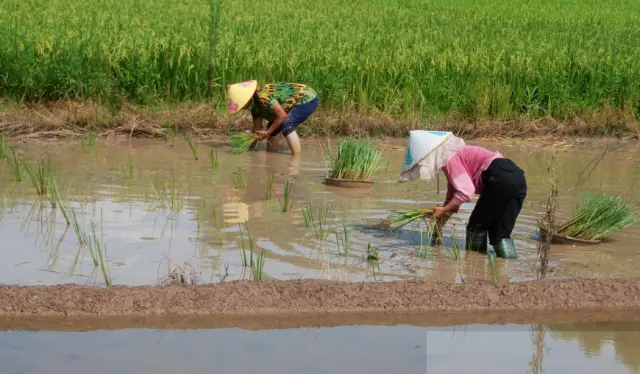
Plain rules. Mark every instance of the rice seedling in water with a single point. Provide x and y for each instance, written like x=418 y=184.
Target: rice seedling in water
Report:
x=193 y=146
x=344 y=239
x=15 y=164
x=169 y=194
x=287 y=197
x=89 y=143
x=39 y=174
x=56 y=198
x=547 y=222
x=97 y=250
x=402 y=218
x=213 y=158
x=237 y=178
x=257 y=268
x=76 y=225
x=269 y=194
x=355 y=160
x=319 y=222
x=494 y=267
x=129 y=169
x=454 y=251
x=247 y=262
x=426 y=241
x=241 y=142
x=216 y=223
x=372 y=253
x=598 y=216
x=3 y=148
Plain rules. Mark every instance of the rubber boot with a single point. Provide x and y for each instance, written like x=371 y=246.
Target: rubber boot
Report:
x=477 y=240
x=506 y=248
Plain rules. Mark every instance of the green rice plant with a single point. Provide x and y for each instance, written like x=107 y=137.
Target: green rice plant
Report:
x=4 y=147
x=169 y=194
x=216 y=223
x=453 y=252
x=129 y=169
x=287 y=197
x=97 y=250
x=270 y=181
x=399 y=219
x=56 y=198
x=15 y=164
x=320 y=221
x=426 y=241
x=494 y=267
x=241 y=142
x=257 y=268
x=76 y=225
x=89 y=143
x=213 y=159
x=372 y=253
x=598 y=216
x=355 y=160
x=247 y=262
x=193 y=146
x=237 y=178
x=39 y=174
x=344 y=239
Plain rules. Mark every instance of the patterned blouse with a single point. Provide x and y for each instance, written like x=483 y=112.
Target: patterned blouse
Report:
x=287 y=94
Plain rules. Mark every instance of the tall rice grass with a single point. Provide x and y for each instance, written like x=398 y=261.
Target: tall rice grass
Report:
x=444 y=57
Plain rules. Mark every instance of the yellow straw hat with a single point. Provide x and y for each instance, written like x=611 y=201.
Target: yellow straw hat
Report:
x=239 y=94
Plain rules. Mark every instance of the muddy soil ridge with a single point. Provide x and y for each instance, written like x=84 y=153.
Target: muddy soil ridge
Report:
x=242 y=298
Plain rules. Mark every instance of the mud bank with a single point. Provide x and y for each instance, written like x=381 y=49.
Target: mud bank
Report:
x=246 y=298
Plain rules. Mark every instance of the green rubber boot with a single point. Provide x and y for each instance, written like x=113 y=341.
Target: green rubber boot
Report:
x=476 y=241
x=506 y=248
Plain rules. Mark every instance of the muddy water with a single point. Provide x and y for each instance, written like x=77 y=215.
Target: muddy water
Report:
x=142 y=232
x=609 y=347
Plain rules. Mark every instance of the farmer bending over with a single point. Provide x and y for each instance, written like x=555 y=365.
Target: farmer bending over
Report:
x=471 y=170
x=284 y=105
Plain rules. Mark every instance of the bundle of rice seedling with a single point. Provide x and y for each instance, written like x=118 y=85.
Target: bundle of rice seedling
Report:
x=241 y=142
x=356 y=160
x=598 y=216
x=404 y=217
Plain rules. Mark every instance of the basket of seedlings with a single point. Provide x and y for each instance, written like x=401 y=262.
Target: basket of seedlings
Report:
x=597 y=216
x=354 y=164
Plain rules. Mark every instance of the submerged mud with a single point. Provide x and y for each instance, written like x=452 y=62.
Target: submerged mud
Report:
x=245 y=298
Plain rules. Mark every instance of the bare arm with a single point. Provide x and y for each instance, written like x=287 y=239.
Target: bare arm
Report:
x=281 y=116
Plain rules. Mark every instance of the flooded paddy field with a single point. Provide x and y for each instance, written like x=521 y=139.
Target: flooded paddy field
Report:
x=375 y=346
x=153 y=204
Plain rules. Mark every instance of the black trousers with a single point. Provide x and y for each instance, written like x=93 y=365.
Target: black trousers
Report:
x=504 y=189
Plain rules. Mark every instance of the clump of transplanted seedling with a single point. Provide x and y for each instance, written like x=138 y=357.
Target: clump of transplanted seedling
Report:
x=426 y=240
x=271 y=179
x=76 y=225
x=39 y=174
x=15 y=164
x=454 y=252
x=4 y=148
x=320 y=221
x=372 y=253
x=129 y=169
x=494 y=267
x=237 y=178
x=184 y=274
x=57 y=200
x=97 y=250
x=213 y=159
x=89 y=142
x=193 y=146
x=344 y=239
x=257 y=264
x=287 y=196
x=169 y=194
x=216 y=223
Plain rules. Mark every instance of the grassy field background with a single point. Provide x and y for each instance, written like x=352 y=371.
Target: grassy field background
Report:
x=470 y=59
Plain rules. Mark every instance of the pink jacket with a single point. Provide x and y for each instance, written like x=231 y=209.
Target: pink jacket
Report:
x=464 y=173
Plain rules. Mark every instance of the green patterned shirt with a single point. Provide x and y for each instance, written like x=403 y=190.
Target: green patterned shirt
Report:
x=287 y=94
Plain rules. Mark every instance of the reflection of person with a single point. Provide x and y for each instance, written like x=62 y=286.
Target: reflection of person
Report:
x=284 y=105
x=471 y=170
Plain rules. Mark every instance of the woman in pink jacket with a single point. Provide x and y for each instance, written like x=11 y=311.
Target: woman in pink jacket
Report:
x=471 y=170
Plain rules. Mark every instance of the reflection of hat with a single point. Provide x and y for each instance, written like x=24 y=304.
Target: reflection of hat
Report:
x=239 y=94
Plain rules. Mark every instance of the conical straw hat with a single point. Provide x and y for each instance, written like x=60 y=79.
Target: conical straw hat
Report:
x=239 y=94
